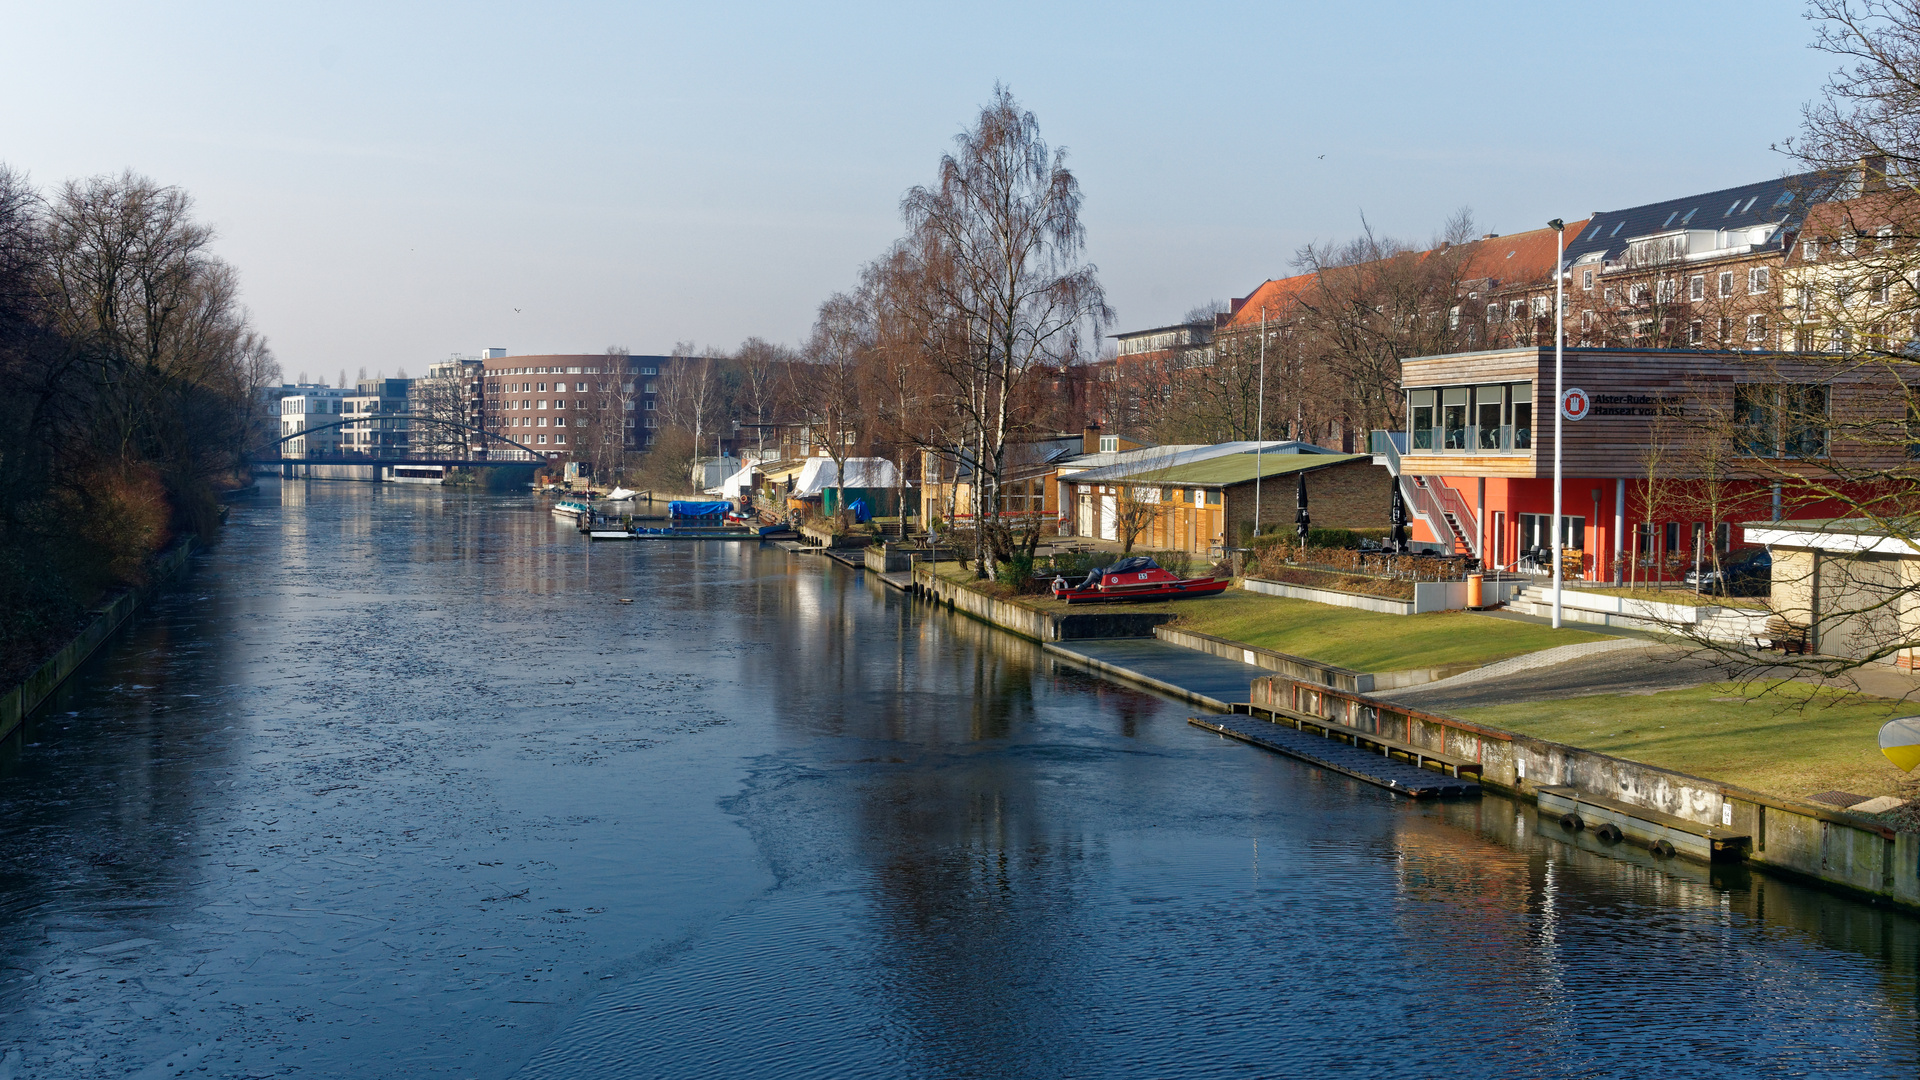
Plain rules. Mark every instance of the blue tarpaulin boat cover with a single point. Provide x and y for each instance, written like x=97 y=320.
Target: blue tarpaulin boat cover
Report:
x=859 y=510
x=1128 y=566
x=697 y=509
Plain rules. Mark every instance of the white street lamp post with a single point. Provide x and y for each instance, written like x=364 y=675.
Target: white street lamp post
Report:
x=1559 y=228
x=1260 y=422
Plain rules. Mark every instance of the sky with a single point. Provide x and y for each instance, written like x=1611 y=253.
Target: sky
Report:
x=401 y=182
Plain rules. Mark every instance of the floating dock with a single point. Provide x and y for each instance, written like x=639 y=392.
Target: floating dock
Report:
x=1328 y=753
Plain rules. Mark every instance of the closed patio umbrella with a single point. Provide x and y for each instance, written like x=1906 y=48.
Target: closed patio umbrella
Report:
x=1301 y=521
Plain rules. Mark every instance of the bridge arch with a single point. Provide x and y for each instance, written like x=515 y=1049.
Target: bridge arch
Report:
x=482 y=432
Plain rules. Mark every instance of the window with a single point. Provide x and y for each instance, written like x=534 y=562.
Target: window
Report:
x=1753 y=418
x=1756 y=328
x=1586 y=320
x=1514 y=308
x=542 y=441
x=1109 y=444
x=1665 y=290
x=542 y=386
x=1489 y=408
x=650 y=404
x=1810 y=250
x=559 y=438
x=1453 y=418
x=1697 y=287
x=1542 y=307
x=1611 y=297
x=1673 y=536
x=1586 y=279
x=1849 y=244
x=1420 y=419
x=1878 y=294
x=1726 y=283
x=1775 y=421
x=540 y=404
x=1804 y=414
x=1758 y=279
x=1693 y=332
x=1883 y=240
x=1493 y=312
x=1785 y=198
x=1726 y=332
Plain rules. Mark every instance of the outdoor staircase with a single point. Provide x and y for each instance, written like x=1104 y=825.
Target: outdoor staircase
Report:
x=1441 y=507
x=1461 y=534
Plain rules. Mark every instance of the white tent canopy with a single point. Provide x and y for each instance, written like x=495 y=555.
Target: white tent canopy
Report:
x=867 y=472
x=738 y=484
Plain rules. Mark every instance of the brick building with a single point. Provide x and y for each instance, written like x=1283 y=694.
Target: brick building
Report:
x=549 y=402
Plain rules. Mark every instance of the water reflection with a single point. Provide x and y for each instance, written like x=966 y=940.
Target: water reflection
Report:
x=397 y=788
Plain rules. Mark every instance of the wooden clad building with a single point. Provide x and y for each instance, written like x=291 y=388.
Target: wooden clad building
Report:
x=1683 y=444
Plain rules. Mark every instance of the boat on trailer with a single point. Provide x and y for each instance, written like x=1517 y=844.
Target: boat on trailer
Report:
x=1137 y=578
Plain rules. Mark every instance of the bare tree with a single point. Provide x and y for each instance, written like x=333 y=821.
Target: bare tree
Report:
x=1001 y=234
x=828 y=383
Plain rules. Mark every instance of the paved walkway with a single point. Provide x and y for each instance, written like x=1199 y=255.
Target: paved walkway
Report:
x=1202 y=678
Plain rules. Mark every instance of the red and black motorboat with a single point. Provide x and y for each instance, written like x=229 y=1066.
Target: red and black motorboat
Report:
x=1138 y=578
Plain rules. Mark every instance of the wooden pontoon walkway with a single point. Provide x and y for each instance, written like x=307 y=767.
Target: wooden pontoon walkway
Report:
x=1328 y=753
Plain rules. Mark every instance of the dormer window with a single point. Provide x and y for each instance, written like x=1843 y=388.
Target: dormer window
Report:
x=1810 y=250
x=1109 y=444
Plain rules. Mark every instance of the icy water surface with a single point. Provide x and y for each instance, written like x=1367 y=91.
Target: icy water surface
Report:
x=395 y=787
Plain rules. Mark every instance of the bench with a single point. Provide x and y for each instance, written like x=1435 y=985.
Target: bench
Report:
x=1788 y=637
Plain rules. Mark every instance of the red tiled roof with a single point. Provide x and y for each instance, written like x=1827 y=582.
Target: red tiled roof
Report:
x=1527 y=256
x=1504 y=260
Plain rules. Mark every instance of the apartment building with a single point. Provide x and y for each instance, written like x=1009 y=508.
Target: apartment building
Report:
x=308 y=415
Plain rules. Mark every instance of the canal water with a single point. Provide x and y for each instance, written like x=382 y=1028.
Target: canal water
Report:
x=396 y=786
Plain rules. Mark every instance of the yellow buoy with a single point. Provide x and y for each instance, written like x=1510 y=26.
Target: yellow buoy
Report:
x=1900 y=741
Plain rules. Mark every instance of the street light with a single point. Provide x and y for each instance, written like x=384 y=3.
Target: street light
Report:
x=1260 y=421
x=1559 y=228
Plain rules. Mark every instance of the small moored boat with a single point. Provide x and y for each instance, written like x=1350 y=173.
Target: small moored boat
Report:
x=1138 y=578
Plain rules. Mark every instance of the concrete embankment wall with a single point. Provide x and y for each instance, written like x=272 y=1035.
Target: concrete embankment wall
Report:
x=1294 y=667
x=1427 y=595
x=1032 y=622
x=17 y=704
x=1830 y=846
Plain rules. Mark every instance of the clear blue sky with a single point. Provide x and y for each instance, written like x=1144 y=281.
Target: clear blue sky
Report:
x=394 y=180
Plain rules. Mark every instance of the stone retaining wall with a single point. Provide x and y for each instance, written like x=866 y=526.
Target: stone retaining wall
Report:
x=1837 y=848
x=1032 y=622
x=17 y=704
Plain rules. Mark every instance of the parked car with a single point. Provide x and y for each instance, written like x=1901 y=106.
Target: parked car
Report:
x=1742 y=573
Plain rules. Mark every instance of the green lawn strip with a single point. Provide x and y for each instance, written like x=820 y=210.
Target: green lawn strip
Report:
x=1792 y=741
x=1347 y=637
x=1369 y=640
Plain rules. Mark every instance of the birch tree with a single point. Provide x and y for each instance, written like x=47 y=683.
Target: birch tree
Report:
x=1002 y=224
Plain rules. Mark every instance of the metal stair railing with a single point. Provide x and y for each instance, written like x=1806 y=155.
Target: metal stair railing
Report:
x=1441 y=507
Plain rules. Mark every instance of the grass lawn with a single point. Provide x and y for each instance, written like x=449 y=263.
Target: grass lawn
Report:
x=1361 y=640
x=1793 y=741
x=1368 y=640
